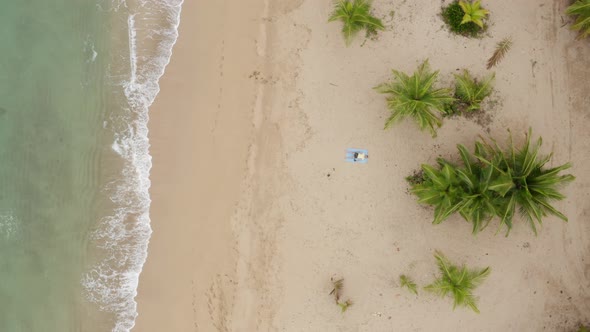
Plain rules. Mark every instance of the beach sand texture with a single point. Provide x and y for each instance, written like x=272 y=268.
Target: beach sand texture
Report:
x=254 y=208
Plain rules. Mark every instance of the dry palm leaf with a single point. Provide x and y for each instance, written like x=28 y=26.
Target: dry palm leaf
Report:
x=338 y=284
x=501 y=49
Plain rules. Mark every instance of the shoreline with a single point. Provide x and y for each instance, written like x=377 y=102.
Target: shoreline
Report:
x=123 y=235
x=198 y=169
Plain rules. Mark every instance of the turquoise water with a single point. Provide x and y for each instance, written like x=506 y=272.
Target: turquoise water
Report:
x=76 y=79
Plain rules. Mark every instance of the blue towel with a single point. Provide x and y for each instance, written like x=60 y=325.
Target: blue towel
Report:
x=350 y=156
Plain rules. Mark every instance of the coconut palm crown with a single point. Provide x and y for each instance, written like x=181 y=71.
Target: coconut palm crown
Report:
x=457 y=282
x=581 y=9
x=355 y=16
x=440 y=188
x=416 y=97
x=494 y=182
x=479 y=203
x=473 y=12
x=523 y=181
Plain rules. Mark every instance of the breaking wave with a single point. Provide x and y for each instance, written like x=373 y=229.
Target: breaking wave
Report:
x=152 y=30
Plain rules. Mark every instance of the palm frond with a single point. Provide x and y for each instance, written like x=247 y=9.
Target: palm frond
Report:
x=500 y=52
x=440 y=188
x=407 y=282
x=338 y=284
x=581 y=10
x=479 y=203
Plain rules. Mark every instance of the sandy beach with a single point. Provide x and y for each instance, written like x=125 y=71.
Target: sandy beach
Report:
x=199 y=167
x=254 y=209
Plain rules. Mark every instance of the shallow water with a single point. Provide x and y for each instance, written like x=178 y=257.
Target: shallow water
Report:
x=76 y=80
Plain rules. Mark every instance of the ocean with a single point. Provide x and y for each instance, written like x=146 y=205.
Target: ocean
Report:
x=77 y=78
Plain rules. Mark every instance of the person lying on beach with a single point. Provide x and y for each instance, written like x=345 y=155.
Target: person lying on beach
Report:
x=360 y=156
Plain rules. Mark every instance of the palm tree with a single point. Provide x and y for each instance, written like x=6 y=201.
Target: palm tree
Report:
x=356 y=16
x=415 y=96
x=479 y=203
x=471 y=91
x=457 y=282
x=523 y=182
x=473 y=12
x=494 y=182
x=440 y=188
x=464 y=190
x=581 y=9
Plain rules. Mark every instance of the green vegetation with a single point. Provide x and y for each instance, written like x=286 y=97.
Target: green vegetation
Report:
x=415 y=97
x=583 y=329
x=407 y=282
x=494 y=182
x=523 y=182
x=457 y=282
x=470 y=92
x=486 y=183
x=501 y=49
x=441 y=189
x=479 y=203
x=337 y=285
x=454 y=17
x=580 y=9
x=344 y=305
x=473 y=12
x=355 y=16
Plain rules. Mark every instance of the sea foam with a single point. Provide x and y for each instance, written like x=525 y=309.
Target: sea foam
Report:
x=9 y=225
x=125 y=233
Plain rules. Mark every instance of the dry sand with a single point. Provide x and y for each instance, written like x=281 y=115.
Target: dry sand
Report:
x=254 y=208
